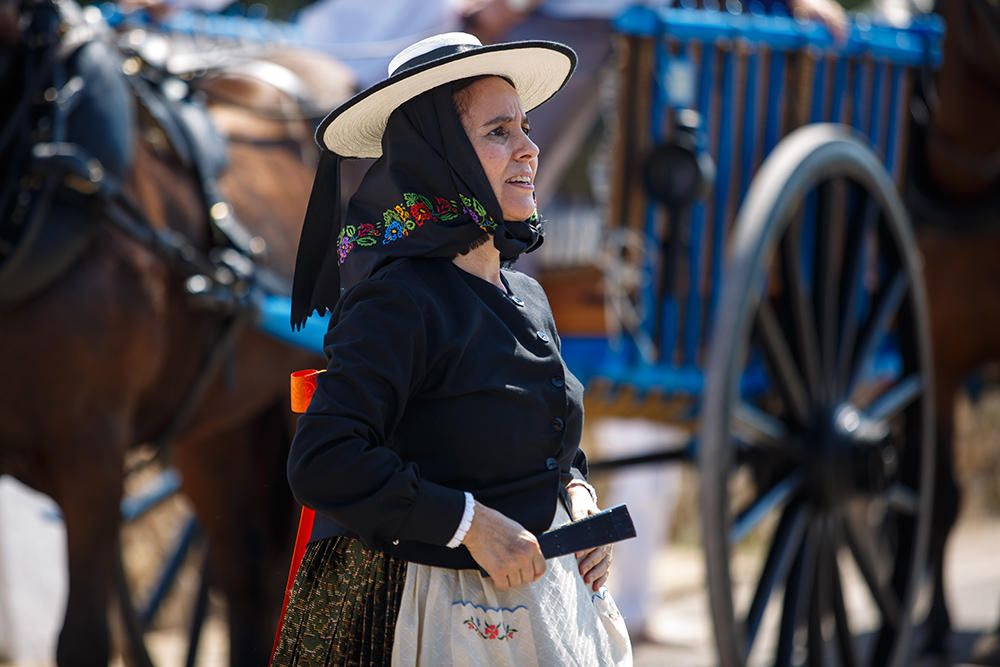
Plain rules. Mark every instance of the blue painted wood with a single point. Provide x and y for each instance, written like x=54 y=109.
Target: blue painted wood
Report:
x=842 y=72
x=915 y=45
x=775 y=94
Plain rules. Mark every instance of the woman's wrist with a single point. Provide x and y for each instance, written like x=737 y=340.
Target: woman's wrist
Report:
x=582 y=484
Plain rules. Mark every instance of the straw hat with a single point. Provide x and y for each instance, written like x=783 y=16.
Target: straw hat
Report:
x=538 y=69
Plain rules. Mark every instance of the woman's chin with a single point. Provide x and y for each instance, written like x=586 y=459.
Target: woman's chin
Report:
x=518 y=213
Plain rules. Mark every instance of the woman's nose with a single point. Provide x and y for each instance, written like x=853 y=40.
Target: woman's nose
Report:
x=526 y=150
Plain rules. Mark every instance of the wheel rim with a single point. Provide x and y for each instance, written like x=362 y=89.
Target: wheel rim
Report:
x=817 y=424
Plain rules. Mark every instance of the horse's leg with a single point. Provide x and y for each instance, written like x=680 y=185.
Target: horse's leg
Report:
x=88 y=488
x=236 y=481
x=947 y=497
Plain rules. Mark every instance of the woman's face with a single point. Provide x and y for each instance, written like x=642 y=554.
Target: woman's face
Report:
x=498 y=129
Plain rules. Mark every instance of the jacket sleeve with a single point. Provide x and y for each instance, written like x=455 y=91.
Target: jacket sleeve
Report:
x=338 y=463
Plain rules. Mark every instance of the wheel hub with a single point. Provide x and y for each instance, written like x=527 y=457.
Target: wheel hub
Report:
x=849 y=455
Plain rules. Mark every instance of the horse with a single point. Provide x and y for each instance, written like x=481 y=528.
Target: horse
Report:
x=104 y=350
x=954 y=197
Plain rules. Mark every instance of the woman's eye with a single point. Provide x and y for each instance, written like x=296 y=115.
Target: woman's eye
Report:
x=498 y=132
x=526 y=129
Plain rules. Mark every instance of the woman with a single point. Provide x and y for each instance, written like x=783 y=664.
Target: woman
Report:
x=444 y=435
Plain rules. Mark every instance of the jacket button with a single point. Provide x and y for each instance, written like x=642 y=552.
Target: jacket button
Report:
x=517 y=301
x=395 y=543
x=551 y=463
x=557 y=383
x=558 y=424
x=542 y=336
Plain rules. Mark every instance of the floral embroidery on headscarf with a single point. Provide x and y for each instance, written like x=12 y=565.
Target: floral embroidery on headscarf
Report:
x=402 y=219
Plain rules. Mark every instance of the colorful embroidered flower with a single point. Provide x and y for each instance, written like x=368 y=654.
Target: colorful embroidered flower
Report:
x=446 y=210
x=421 y=213
x=397 y=222
x=368 y=229
x=498 y=631
x=344 y=247
x=394 y=231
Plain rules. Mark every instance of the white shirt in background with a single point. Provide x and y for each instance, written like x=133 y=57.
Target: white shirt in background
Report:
x=366 y=34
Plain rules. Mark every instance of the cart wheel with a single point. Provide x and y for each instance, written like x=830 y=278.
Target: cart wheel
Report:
x=161 y=584
x=816 y=436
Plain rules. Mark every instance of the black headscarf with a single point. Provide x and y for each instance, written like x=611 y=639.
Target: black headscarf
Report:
x=427 y=196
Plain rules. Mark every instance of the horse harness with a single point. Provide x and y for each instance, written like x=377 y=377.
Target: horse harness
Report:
x=75 y=122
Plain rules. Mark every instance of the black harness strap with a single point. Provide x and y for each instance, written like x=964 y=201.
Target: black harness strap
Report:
x=226 y=279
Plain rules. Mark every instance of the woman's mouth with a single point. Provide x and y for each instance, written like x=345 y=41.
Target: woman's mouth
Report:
x=523 y=182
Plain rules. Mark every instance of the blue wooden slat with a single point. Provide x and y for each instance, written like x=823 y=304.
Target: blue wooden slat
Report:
x=878 y=106
x=775 y=94
x=653 y=259
x=748 y=145
x=839 y=90
x=692 y=327
x=895 y=128
x=859 y=102
x=724 y=164
x=818 y=106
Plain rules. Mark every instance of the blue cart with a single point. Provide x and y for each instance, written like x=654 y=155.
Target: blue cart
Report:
x=777 y=308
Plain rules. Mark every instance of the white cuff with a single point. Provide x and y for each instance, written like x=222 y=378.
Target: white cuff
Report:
x=465 y=523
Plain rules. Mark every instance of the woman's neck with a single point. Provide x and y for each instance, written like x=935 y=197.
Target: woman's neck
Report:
x=483 y=262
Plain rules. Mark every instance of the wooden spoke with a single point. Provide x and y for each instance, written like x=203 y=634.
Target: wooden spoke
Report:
x=801 y=311
x=853 y=285
x=829 y=258
x=903 y=499
x=845 y=640
x=782 y=362
x=819 y=602
x=796 y=592
x=861 y=550
x=891 y=403
x=886 y=305
x=759 y=428
x=784 y=545
x=773 y=498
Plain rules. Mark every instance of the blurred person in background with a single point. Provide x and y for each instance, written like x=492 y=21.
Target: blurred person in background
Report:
x=363 y=35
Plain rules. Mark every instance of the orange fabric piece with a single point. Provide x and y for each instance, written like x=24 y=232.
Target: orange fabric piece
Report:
x=303 y=385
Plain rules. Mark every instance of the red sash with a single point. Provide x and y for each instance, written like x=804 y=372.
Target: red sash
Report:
x=303 y=384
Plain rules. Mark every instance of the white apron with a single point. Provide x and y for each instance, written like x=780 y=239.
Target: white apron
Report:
x=457 y=617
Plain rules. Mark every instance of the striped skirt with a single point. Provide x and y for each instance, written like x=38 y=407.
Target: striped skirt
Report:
x=343 y=607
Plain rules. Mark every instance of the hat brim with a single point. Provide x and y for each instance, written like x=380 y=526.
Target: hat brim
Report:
x=538 y=70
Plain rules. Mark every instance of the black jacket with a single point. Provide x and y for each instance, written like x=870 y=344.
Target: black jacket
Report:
x=438 y=383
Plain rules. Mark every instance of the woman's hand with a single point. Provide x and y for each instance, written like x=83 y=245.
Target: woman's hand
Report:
x=509 y=553
x=594 y=563
x=827 y=12
x=157 y=9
